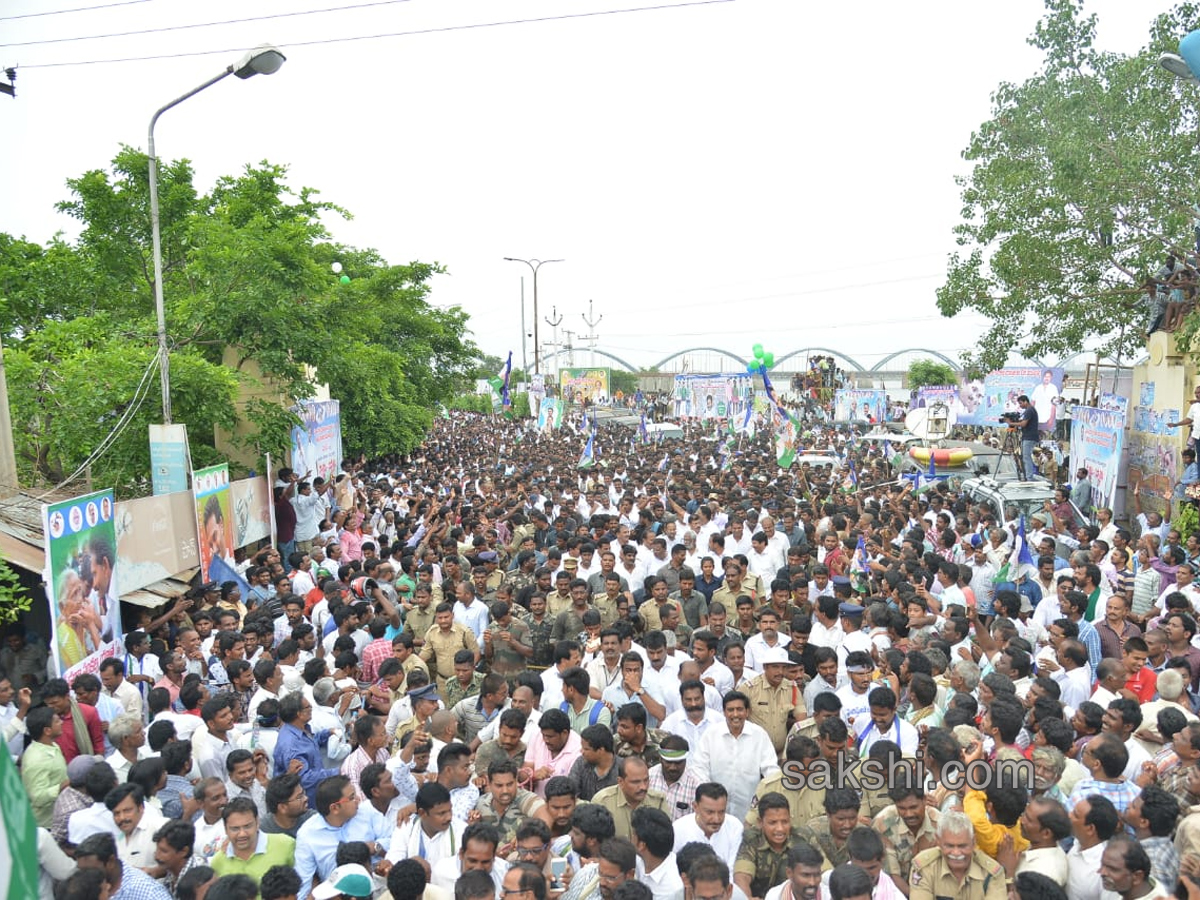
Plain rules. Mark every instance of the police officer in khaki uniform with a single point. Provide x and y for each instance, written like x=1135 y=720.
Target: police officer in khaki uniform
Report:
x=775 y=702
x=955 y=868
x=443 y=640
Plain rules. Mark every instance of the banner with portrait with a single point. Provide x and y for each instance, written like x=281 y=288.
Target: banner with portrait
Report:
x=550 y=414
x=214 y=516
x=984 y=402
x=81 y=582
x=854 y=405
x=1096 y=439
x=578 y=385
x=711 y=396
x=317 y=444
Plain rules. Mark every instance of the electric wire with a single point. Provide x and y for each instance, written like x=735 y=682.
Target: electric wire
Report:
x=472 y=26
x=59 y=12
x=286 y=15
x=139 y=397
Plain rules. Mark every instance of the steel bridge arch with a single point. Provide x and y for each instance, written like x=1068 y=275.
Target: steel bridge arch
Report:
x=854 y=364
x=878 y=367
x=598 y=352
x=666 y=359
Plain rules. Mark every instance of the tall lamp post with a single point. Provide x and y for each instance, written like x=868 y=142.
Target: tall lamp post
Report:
x=534 y=264
x=262 y=60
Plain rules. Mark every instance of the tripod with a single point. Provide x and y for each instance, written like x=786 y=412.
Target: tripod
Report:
x=1012 y=447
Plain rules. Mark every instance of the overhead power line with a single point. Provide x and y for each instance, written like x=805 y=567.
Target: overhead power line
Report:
x=60 y=12
x=395 y=34
x=286 y=15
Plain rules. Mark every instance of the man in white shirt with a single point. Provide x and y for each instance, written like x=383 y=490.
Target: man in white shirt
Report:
x=695 y=717
x=710 y=825
x=768 y=637
x=1091 y=837
x=854 y=638
x=136 y=823
x=1071 y=671
x=653 y=838
x=112 y=676
x=826 y=629
x=736 y=753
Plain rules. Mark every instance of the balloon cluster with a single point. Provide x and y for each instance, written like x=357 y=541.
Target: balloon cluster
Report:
x=337 y=268
x=762 y=359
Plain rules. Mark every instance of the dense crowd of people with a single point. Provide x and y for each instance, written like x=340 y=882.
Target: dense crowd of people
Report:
x=482 y=671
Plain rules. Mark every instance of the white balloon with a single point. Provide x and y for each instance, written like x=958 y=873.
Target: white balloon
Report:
x=337 y=267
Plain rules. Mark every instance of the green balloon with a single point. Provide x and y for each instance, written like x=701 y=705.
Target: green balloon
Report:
x=758 y=351
x=345 y=279
x=768 y=359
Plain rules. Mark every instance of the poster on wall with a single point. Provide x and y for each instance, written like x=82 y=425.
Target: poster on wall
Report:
x=983 y=402
x=1096 y=438
x=213 y=514
x=81 y=582
x=711 y=396
x=578 y=385
x=169 y=459
x=853 y=405
x=317 y=444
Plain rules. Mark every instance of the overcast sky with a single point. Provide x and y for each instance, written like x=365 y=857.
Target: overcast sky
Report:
x=713 y=175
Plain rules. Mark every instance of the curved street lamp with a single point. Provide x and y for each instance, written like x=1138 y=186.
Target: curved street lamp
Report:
x=262 y=60
x=534 y=264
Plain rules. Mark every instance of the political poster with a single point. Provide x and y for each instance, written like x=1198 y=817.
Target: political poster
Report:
x=930 y=395
x=550 y=414
x=984 y=402
x=579 y=385
x=711 y=396
x=1116 y=402
x=1096 y=439
x=81 y=582
x=211 y=489
x=854 y=405
x=317 y=443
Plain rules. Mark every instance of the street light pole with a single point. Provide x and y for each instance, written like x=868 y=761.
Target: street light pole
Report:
x=262 y=60
x=534 y=264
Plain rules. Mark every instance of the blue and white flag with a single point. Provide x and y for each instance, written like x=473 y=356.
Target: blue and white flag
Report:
x=504 y=375
x=643 y=432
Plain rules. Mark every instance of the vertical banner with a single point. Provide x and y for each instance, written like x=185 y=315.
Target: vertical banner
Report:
x=81 y=584
x=169 y=462
x=18 y=836
x=317 y=445
x=550 y=414
x=851 y=405
x=1096 y=438
x=211 y=489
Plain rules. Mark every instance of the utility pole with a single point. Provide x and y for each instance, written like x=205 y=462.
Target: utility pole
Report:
x=524 y=359
x=570 y=347
x=534 y=265
x=591 y=337
x=553 y=320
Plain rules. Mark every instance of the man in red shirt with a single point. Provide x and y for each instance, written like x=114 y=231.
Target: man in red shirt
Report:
x=82 y=734
x=1141 y=682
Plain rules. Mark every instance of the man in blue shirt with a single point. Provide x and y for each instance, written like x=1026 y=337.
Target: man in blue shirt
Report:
x=1028 y=424
x=339 y=820
x=297 y=749
x=1191 y=473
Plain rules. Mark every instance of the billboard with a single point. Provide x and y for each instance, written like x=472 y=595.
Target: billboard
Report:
x=1096 y=438
x=81 y=582
x=156 y=538
x=169 y=459
x=577 y=385
x=214 y=515
x=947 y=395
x=550 y=414
x=983 y=402
x=711 y=396
x=317 y=444
x=852 y=405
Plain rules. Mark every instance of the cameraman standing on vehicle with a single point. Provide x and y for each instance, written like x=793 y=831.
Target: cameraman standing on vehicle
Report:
x=1027 y=421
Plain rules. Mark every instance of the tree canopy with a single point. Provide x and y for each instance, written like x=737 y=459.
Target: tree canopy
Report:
x=1083 y=181
x=246 y=277
x=928 y=372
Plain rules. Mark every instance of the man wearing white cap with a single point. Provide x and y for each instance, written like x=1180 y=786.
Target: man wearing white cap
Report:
x=776 y=703
x=350 y=880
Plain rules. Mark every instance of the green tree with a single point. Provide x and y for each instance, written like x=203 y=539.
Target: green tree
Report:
x=927 y=372
x=1082 y=182
x=247 y=278
x=620 y=380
